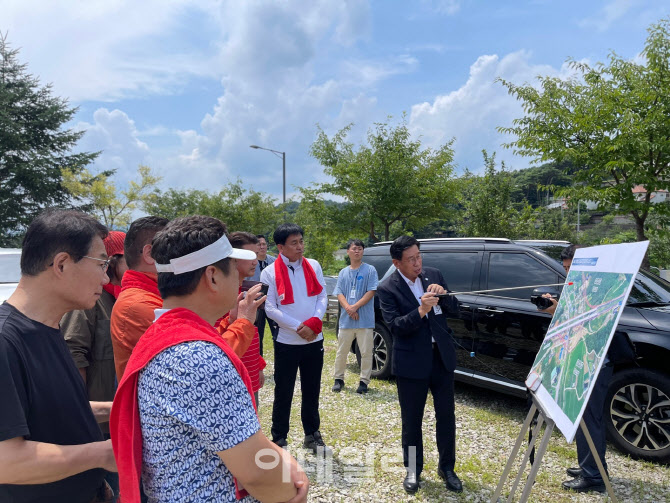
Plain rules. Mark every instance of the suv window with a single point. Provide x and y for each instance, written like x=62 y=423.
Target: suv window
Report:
x=649 y=288
x=517 y=269
x=379 y=262
x=457 y=268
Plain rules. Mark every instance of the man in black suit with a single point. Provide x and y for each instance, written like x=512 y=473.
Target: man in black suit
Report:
x=423 y=358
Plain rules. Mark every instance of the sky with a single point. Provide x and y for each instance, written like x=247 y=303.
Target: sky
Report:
x=185 y=86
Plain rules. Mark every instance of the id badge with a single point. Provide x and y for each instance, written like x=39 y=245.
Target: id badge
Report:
x=352 y=293
x=437 y=310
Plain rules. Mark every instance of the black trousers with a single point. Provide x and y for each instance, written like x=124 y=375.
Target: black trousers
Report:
x=593 y=419
x=412 y=394
x=289 y=358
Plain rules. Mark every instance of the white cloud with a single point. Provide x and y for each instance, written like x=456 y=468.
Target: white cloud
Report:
x=272 y=95
x=101 y=50
x=366 y=74
x=472 y=113
x=116 y=135
x=448 y=7
x=610 y=13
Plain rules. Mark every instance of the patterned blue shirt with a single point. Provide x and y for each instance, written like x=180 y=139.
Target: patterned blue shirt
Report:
x=192 y=405
x=360 y=281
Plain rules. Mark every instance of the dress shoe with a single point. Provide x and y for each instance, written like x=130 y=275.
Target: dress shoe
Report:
x=411 y=482
x=362 y=388
x=582 y=485
x=281 y=442
x=315 y=443
x=453 y=483
x=574 y=472
x=339 y=384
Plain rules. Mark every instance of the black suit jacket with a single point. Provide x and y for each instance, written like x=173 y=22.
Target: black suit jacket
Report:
x=412 y=335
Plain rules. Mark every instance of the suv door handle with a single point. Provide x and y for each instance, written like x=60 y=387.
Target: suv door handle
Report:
x=490 y=310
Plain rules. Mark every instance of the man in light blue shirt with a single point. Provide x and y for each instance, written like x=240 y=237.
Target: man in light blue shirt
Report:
x=355 y=289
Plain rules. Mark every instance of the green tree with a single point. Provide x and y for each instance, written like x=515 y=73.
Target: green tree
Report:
x=324 y=223
x=34 y=147
x=612 y=124
x=240 y=208
x=530 y=184
x=486 y=202
x=106 y=203
x=391 y=179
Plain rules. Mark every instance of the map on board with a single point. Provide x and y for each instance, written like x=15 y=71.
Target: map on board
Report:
x=569 y=360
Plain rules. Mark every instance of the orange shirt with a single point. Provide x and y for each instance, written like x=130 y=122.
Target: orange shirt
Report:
x=237 y=334
x=133 y=314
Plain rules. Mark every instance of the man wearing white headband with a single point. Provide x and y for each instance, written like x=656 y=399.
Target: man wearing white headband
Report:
x=184 y=418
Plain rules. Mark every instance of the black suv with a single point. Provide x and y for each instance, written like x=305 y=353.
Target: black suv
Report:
x=498 y=335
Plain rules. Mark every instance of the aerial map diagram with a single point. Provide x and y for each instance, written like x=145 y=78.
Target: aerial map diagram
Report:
x=569 y=360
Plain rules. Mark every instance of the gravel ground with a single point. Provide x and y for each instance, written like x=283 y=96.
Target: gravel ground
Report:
x=363 y=432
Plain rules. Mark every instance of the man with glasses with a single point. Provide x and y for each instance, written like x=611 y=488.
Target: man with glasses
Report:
x=355 y=289
x=424 y=358
x=51 y=448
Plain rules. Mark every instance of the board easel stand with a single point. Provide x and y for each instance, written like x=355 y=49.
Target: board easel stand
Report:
x=541 y=450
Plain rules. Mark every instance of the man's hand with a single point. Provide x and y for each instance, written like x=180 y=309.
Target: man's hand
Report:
x=306 y=333
x=428 y=301
x=298 y=477
x=352 y=311
x=301 y=482
x=435 y=288
x=551 y=309
x=248 y=304
x=261 y=378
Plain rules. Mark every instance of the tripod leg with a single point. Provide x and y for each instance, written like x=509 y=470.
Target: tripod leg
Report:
x=538 y=460
x=512 y=457
x=529 y=453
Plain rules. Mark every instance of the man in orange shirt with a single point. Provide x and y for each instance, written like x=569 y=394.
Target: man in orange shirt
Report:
x=133 y=312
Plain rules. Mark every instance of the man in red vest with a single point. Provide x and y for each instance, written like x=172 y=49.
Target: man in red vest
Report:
x=184 y=416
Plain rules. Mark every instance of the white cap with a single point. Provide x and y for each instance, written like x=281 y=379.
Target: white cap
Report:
x=208 y=255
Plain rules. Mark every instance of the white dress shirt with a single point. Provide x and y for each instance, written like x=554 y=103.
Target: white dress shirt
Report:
x=304 y=307
x=417 y=289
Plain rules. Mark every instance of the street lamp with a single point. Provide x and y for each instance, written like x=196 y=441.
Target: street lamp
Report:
x=283 y=160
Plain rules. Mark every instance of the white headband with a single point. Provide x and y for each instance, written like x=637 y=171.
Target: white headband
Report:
x=208 y=255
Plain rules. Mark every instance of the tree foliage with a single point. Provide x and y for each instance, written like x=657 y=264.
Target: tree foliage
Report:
x=106 y=203
x=535 y=185
x=391 y=179
x=325 y=225
x=34 y=147
x=240 y=208
x=612 y=123
x=486 y=201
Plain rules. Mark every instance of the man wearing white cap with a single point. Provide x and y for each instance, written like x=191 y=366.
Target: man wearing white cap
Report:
x=184 y=417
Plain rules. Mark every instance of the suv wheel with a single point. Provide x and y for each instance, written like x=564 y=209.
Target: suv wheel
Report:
x=381 y=352
x=638 y=414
